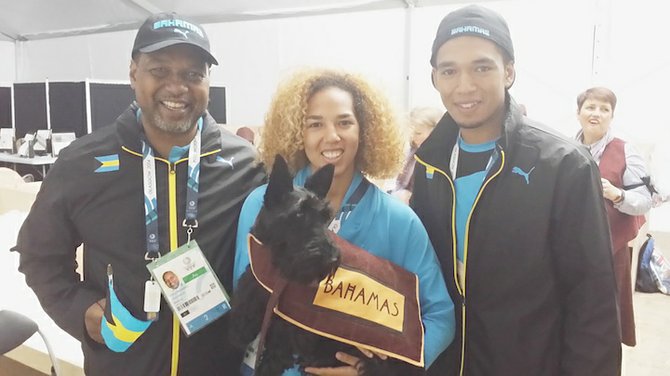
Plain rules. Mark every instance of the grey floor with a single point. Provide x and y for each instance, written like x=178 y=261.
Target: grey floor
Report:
x=651 y=355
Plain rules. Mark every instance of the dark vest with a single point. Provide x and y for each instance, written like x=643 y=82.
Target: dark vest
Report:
x=623 y=227
x=369 y=302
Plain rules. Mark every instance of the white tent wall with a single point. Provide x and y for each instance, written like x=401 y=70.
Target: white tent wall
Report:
x=562 y=47
x=7 y=63
x=104 y=56
x=256 y=55
x=637 y=67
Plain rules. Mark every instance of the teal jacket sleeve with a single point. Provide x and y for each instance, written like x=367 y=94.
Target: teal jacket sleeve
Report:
x=250 y=209
x=402 y=238
x=437 y=308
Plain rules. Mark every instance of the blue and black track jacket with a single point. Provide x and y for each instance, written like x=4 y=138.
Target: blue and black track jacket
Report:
x=93 y=195
x=539 y=292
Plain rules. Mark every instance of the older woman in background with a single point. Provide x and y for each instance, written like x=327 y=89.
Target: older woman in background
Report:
x=627 y=199
x=422 y=121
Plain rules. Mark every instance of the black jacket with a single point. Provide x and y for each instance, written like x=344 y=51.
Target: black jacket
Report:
x=539 y=295
x=105 y=212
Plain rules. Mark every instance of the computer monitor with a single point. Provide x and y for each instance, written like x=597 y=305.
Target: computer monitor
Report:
x=43 y=141
x=7 y=140
x=60 y=141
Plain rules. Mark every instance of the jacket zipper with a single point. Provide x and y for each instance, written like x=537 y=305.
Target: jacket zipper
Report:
x=174 y=238
x=461 y=289
x=174 y=244
x=430 y=169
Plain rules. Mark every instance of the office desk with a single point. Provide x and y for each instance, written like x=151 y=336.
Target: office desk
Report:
x=34 y=161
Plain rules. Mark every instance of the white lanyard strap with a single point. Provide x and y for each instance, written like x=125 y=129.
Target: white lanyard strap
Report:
x=453 y=162
x=192 y=185
x=150 y=201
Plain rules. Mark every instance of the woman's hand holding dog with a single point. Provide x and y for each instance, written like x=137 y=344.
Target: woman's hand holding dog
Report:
x=352 y=364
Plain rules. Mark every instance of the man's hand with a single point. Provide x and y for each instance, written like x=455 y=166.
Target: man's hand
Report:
x=352 y=364
x=92 y=319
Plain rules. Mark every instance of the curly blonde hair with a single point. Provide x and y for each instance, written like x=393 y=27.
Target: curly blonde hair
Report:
x=380 y=146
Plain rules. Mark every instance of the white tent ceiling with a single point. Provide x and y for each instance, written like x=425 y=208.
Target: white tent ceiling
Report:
x=22 y=20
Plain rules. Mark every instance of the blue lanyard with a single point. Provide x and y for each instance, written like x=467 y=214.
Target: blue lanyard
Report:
x=150 y=201
x=350 y=205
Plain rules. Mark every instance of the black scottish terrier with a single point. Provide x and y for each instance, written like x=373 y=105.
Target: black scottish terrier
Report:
x=293 y=225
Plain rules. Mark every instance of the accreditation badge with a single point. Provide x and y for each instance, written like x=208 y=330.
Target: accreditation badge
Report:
x=190 y=287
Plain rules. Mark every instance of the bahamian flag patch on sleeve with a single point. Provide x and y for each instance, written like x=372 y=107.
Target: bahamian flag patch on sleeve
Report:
x=108 y=163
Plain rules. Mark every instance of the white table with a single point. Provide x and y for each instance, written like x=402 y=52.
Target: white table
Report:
x=15 y=159
x=15 y=295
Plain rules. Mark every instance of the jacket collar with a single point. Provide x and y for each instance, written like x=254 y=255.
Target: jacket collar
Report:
x=131 y=132
x=436 y=149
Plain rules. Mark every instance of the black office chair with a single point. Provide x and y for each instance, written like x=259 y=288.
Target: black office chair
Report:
x=15 y=329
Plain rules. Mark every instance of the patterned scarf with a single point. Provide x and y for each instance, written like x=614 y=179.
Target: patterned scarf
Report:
x=597 y=148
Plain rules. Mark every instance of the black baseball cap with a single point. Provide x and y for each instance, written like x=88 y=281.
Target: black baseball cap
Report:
x=477 y=21
x=167 y=29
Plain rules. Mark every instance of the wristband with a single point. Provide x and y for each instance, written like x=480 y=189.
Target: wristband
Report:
x=621 y=197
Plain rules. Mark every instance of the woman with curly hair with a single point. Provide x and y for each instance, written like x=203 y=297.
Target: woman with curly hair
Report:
x=320 y=117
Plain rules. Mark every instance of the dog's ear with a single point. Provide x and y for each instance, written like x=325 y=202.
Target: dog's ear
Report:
x=320 y=181
x=280 y=182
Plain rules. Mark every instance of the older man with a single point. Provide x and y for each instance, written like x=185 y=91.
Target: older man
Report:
x=163 y=176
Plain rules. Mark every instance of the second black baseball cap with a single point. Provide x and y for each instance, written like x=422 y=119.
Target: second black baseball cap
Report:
x=167 y=29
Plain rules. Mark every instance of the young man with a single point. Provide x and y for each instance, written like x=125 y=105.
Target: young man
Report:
x=163 y=175
x=516 y=215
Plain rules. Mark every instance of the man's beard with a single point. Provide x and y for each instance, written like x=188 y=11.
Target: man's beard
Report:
x=178 y=127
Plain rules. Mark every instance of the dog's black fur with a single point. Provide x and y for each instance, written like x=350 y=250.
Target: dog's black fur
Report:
x=293 y=224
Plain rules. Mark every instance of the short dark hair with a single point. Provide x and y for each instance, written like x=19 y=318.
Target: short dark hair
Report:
x=599 y=93
x=505 y=55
